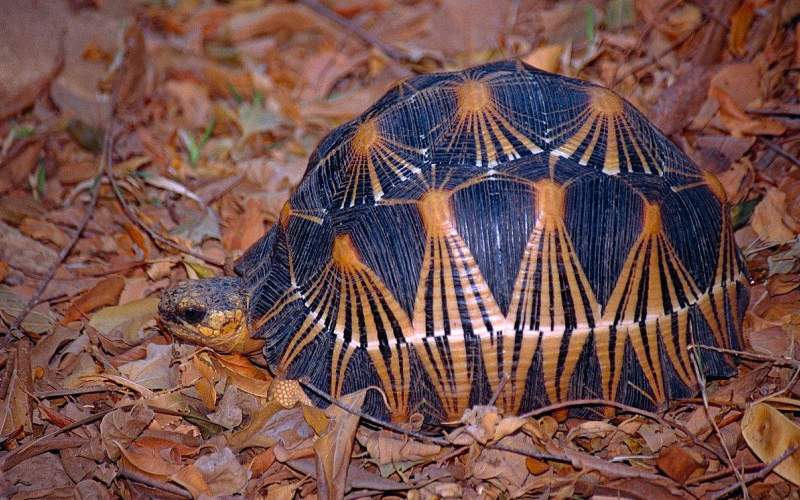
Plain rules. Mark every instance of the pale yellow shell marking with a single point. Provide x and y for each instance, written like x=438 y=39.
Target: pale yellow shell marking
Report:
x=477 y=115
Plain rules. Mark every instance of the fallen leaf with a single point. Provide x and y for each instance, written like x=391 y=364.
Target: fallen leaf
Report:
x=333 y=449
x=39 y=320
x=546 y=57
x=128 y=319
x=386 y=447
x=222 y=472
x=151 y=460
x=247 y=228
x=152 y=372
x=273 y=425
x=769 y=218
x=227 y=413
x=769 y=434
x=680 y=462
x=44 y=231
x=121 y=427
x=104 y=293
x=741 y=20
x=24 y=253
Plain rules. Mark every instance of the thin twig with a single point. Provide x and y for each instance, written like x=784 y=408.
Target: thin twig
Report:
x=391 y=53
x=756 y=476
x=153 y=483
x=14 y=329
x=154 y=235
x=700 y=376
x=654 y=59
x=779 y=150
x=629 y=409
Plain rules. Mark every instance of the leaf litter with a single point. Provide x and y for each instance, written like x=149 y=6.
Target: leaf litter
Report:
x=217 y=106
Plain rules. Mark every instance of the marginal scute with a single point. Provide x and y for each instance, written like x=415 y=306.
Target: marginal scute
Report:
x=285 y=215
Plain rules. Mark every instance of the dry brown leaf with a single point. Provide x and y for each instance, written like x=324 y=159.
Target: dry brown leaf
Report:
x=152 y=372
x=273 y=425
x=104 y=293
x=24 y=253
x=333 y=449
x=151 y=460
x=770 y=217
x=247 y=228
x=120 y=427
x=546 y=57
x=740 y=26
x=244 y=374
x=386 y=447
x=127 y=320
x=769 y=434
x=192 y=479
x=680 y=462
x=44 y=231
x=222 y=472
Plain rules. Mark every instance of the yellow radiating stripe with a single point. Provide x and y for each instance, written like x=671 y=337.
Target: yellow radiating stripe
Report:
x=611 y=161
x=610 y=371
x=651 y=366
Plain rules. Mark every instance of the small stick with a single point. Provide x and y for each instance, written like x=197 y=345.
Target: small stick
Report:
x=700 y=377
x=391 y=53
x=154 y=235
x=15 y=326
x=779 y=150
x=153 y=483
x=757 y=476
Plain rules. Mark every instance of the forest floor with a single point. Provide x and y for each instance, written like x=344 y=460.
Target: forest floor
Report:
x=142 y=143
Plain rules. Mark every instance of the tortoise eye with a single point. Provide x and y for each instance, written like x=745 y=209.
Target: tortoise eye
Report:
x=193 y=314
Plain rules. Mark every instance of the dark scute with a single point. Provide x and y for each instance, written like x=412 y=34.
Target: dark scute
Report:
x=310 y=244
x=422 y=397
x=692 y=221
x=634 y=390
x=604 y=219
x=586 y=381
x=495 y=218
x=712 y=363
x=535 y=392
x=361 y=374
x=390 y=240
x=266 y=273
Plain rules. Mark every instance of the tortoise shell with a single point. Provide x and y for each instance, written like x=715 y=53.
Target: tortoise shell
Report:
x=498 y=234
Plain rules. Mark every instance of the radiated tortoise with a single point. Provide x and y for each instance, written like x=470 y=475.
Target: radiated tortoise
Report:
x=493 y=233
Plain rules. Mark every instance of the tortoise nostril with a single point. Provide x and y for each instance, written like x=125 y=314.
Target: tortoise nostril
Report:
x=193 y=314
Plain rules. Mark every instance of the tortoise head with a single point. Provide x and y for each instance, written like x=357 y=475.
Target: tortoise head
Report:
x=209 y=312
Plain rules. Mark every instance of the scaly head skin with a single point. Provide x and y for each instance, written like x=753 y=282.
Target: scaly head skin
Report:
x=209 y=312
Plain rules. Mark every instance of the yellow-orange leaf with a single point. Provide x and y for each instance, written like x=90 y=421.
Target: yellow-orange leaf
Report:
x=769 y=434
x=105 y=293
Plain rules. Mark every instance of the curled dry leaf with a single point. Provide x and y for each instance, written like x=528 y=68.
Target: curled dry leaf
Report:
x=333 y=449
x=770 y=218
x=218 y=473
x=484 y=424
x=769 y=434
x=104 y=293
x=120 y=427
x=127 y=319
x=386 y=447
x=680 y=462
x=153 y=371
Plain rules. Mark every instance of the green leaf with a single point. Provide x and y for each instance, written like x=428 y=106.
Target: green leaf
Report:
x=191 y=146
x=619 y=14
x=741 y=213
x=589 y=22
